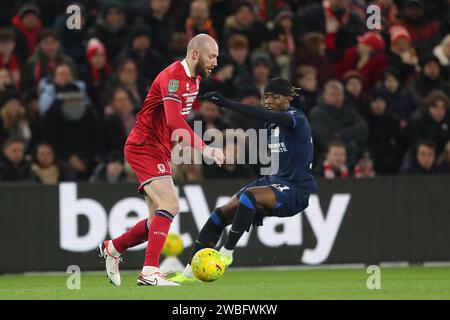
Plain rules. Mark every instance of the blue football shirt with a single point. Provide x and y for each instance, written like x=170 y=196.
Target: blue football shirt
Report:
x=292 y=151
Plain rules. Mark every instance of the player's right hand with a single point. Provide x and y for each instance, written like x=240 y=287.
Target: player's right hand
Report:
x=214 y=153
x=216 y=98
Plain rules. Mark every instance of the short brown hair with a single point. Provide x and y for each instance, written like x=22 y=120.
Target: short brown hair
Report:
x=304 y=70
x=335 y=144
x=310 y=44
x=48 y=33
x=237 y=41
x=11 y=141
x=434 y=96
x=427 y=143
x=6 y=34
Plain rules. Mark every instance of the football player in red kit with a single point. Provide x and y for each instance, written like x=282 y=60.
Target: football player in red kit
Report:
x=148 y=151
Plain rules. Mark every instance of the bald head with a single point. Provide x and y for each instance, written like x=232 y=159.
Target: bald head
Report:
x=201 y=41
x=202 y=53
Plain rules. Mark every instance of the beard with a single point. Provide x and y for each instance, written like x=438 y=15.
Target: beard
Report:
x=200 y=68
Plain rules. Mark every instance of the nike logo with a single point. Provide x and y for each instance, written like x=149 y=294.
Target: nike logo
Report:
x=153 y=282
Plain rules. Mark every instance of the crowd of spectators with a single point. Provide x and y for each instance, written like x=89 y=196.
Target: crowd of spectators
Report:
x=377 y=99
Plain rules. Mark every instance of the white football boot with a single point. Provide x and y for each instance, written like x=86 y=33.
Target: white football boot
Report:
x=155 y=279
x=111 y=263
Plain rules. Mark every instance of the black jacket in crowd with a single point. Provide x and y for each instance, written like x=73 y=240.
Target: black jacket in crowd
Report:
x=423 y=126
x=387 y=142
x=329 y=123
x=11 y=173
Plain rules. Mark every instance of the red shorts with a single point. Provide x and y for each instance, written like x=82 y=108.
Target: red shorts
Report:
x=147 y=163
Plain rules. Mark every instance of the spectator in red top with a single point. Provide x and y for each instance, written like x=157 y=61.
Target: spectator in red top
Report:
x=199 y=21
x=402 y=55
x=367 y=57
x=27 y=24
x=8 y=58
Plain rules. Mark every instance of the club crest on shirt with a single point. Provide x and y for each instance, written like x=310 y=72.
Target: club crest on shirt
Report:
x=161 y=168
x=173 y=85
x=276 y=132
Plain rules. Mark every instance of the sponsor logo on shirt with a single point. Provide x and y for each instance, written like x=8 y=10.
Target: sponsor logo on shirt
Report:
x=277 y=147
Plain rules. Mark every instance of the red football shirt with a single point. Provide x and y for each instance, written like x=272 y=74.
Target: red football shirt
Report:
x=167 y=105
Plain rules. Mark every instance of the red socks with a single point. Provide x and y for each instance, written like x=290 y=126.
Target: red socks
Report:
x=159 y=227
x=156 y=236
x=136 y=235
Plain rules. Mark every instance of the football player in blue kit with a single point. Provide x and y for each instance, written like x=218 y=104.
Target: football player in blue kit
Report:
x=283 y=193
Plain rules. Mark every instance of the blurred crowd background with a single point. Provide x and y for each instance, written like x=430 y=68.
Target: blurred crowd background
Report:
x=377 y=100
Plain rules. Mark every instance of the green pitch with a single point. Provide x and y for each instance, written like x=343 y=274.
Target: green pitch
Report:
x=396 y=283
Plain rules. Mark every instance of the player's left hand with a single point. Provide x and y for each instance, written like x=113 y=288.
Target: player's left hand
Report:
x=214 y=153
x=216 y=98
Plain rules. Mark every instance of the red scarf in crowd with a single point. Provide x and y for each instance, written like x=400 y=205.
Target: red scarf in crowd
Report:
x=96 y=74
x=328 y=171
x=29 y=34
x=39 y=70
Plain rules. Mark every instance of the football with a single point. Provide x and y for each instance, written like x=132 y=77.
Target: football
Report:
x=173 y=246
x=208 y=265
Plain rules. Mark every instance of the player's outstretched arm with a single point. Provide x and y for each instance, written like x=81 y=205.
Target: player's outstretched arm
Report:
x=280 y=118
x=175 y=121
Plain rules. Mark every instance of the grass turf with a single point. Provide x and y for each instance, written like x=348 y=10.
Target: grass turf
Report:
x=396 y=283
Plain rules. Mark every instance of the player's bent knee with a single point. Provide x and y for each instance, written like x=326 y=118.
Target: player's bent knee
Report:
x=263 y=197
x=227 y=213
x=248 y=198
x=173 y=208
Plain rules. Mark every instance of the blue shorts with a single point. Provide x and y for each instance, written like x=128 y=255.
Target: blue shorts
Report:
x=290 y=200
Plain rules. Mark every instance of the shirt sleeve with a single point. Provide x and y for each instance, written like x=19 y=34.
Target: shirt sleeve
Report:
x=297 y=118
x=281 y=118
x=171 y=97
